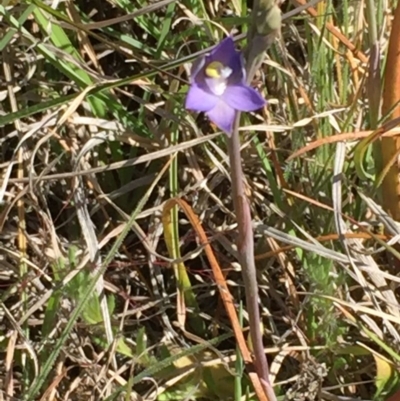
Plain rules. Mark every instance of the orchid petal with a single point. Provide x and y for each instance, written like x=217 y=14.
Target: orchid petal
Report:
x=197 y=66
x=243 y=98
x=198 y=99
x=223 y=51
x=238 y=71
x=222 y=116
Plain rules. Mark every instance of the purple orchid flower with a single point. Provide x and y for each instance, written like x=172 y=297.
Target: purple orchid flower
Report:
x=219 y=88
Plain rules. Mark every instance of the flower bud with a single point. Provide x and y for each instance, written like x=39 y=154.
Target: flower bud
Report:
x=268 y=17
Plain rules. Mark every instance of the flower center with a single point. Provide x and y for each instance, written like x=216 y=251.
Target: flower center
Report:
x=217 y=70
x=218 y=75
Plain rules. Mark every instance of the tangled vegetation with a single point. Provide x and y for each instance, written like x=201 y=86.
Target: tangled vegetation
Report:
x=116 y=209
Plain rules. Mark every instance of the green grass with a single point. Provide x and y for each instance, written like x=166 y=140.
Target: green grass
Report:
x=324 y=297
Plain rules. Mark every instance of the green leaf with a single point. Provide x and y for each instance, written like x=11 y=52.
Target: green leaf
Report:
x=123 y=348
x=92 y=311
x=360 y=153
x=386 y=379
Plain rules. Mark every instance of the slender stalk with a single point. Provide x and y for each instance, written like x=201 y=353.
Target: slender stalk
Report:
x=245 y=245
x=390 y=147
x=265 y=24
x=374 y=84
x=22 y=242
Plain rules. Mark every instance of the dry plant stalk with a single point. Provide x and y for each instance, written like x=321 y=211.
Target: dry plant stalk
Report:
x=225 y=294
x=391 y=109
